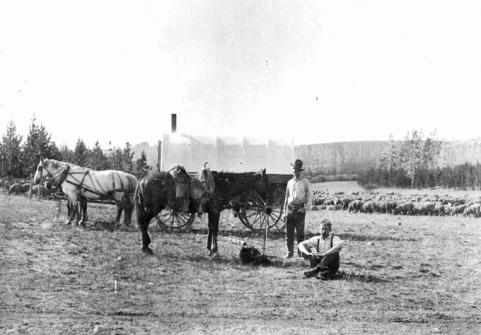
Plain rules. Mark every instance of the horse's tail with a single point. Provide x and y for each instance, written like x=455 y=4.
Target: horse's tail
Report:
x=133 y=183
x=139 y=202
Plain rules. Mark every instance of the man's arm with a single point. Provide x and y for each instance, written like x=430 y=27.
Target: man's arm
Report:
x=305 y=247
x=284 y=212
x=308 y=195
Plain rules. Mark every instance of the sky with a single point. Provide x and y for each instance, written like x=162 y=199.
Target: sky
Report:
x=306 y=71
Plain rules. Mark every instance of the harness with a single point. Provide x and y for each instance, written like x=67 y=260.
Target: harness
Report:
x=65 y=172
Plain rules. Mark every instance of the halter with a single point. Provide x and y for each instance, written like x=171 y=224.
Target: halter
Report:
x=62 y=173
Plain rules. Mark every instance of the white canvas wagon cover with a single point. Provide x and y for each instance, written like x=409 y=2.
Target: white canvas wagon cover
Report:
x=233 y=154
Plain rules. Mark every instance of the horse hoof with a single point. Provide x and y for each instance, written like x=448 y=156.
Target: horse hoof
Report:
x=214 y=255
x=147 y=251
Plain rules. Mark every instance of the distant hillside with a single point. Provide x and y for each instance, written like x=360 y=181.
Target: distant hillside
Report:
x=341 y=157
x=459 y=152
x=150 y=151
x=352 y=157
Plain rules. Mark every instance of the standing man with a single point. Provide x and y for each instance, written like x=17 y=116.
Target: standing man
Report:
x=322 y=251
x=298 y=200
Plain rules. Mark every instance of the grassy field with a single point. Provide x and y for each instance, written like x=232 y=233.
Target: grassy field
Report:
x=400 y=275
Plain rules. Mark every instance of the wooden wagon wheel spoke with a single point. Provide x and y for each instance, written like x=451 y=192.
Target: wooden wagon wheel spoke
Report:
x=258 y=214
x=170 y=219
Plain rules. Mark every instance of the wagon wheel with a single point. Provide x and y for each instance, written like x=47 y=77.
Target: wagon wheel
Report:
x=171 y=219
x=257 y=213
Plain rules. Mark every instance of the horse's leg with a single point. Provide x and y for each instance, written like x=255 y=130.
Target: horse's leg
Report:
x=82 y=202
x=215 y=230
x=75 y=209
x=125 y=204
x=209 y=231
x=69 y=211
x=84 y=210
x=119 y=213
x=214 y=216
x=144 y=225
x=128 y=208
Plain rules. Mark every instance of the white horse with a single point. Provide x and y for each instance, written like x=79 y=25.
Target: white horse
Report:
x=81 y=184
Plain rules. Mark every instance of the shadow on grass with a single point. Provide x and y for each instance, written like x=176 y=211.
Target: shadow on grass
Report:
x=276 y=262
x=357 y=237
x=103 y=225
x=359 y=277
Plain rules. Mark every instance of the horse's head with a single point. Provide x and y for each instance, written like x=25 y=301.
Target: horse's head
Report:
x=39 y=173
x=54 y=171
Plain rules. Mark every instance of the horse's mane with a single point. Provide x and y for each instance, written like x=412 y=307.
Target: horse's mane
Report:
x=56 y=163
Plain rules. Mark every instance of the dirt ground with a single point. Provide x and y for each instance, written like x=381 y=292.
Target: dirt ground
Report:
x=399 y=275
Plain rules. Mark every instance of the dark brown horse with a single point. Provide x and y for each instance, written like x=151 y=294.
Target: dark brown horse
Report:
x=219 y=189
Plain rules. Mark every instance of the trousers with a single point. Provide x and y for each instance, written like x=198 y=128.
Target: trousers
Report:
x=295 y=223
x=330 y=263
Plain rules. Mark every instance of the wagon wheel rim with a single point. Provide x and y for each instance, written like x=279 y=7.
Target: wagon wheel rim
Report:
x=257 y=214
x=173 y=220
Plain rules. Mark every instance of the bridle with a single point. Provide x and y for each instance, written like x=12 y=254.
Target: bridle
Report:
x=61 y=174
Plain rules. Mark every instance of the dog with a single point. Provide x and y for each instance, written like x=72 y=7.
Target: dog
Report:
x=250 y=255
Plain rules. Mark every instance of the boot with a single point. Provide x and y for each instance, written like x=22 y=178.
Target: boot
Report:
x=312 y=272
x=325 y=275
x=290 y=254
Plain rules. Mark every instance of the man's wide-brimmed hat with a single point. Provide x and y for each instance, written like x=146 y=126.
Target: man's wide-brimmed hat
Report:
x=297 y=165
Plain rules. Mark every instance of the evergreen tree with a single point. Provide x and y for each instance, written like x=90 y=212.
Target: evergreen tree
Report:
x=430 y=152
x=97 y=160
x=116 y=159
x=141 y=166
x=38 y=145
x=66 y=154
x=80 y=153
x=128 y=158
x=10 y=153
x=411 y=153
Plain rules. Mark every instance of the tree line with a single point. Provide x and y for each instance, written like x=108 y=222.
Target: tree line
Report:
x=19 y=158
x=414 y=163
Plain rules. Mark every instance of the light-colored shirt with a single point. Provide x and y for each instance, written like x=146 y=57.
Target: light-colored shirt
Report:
x=324 y=244
x=298 y=191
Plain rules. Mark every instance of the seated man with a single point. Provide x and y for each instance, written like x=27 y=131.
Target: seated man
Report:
x=322 y=252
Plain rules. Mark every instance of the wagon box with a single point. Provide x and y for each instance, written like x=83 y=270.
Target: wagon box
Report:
x=235 y=155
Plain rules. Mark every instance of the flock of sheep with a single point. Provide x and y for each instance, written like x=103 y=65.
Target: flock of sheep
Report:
x=365 y=202
x=24 y=187
x=395 y=203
